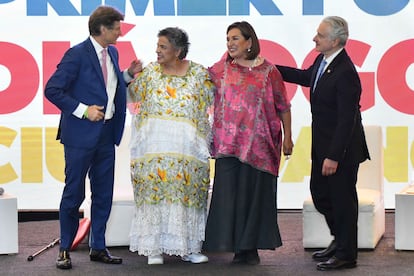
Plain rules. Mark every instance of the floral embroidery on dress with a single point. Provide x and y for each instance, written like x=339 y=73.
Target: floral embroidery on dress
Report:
x=165 y=180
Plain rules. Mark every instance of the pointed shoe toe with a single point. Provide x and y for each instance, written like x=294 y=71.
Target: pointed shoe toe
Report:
x=335 y=264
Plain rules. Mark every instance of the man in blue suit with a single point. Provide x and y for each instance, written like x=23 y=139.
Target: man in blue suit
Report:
x=90 y=90
x=338 y=140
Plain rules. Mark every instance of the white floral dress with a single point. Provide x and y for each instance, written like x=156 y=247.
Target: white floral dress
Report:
x=169 y=160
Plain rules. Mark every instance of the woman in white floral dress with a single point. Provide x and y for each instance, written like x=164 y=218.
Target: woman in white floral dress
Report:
x=170 y=142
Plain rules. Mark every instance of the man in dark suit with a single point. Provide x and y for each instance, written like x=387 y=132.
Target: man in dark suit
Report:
x=90 y=90
x=338 y=140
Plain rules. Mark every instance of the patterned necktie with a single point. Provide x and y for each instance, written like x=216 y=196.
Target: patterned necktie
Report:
x=320 y=72
x=104 y=68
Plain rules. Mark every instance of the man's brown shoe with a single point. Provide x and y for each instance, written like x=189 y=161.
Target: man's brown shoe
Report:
x=63 y=260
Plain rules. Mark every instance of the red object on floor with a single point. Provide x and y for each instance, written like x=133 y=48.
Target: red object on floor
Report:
x=83 y=230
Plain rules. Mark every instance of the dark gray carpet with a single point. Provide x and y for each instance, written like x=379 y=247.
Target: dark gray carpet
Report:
x=290 y=259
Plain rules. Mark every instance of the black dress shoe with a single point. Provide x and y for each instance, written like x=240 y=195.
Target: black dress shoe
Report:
x=63 y=260
x=239 y=257
x=104 y=256
x=324 y=255
x=252 y=257
x=335 y=263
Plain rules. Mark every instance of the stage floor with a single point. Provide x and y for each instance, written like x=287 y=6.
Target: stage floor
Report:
x=290 y=259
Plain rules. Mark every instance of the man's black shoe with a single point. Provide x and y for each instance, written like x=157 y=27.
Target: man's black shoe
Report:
x=104 y=256
x=63 y=260
x=324 y=255
x=335 y=263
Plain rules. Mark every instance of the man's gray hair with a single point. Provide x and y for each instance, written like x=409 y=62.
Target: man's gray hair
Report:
x=339 y=28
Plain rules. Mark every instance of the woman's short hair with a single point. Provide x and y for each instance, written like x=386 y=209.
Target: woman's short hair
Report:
x=103 y=15
x=178 y=39
x=247 y=32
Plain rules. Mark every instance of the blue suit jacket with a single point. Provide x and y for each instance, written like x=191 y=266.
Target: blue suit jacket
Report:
x=79 y=78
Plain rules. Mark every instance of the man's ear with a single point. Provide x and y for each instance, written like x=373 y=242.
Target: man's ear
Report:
x=103 y=29
x=335 y=42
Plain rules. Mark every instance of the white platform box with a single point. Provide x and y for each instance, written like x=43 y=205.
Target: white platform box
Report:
x=119 y=222
x=370 y=226
x=9 y=225
x=404 y=223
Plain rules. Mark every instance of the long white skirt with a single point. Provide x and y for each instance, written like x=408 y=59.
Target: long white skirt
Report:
x=169 y=228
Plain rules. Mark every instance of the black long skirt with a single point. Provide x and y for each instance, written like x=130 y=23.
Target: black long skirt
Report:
x=243 y=209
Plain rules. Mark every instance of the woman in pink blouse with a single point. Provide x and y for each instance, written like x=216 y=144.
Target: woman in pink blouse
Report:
x=251 y=119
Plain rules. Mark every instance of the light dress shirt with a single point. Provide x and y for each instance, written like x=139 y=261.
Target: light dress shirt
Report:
x=111 y=83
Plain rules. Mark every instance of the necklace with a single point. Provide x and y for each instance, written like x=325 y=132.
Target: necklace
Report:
x=252 y=64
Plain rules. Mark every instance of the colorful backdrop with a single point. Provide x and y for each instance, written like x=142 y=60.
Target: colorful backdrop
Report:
x=36 y=33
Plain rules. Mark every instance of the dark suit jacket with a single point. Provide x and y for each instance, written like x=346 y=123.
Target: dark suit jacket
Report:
x=337 y=131
x=79 y=78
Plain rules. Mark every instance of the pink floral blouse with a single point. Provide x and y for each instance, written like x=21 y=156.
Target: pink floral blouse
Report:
x=247 y=109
